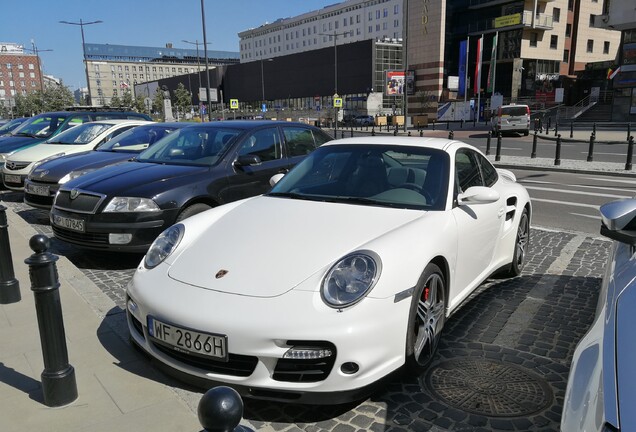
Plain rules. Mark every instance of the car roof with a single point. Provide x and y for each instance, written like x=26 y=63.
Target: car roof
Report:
x=120 y=121
x=248 y=124
x=436 y=143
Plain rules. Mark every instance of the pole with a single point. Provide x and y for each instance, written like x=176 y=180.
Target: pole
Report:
x=466 y=70
x=590 y=153
x=533 y=155
x=58 y=378
x=478 y=83
x=9 y=285
x=488 y=143
x=498 y=152
x=405 y=32
x=262 y=81
x=557 y=156
x=207 y=68
x=630 y=153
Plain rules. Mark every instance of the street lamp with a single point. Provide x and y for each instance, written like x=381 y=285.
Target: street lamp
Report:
x=263 y=77
x=37 y=52
x=197 y=43
x=82 y=24
x=335 y=67
x=207 y=70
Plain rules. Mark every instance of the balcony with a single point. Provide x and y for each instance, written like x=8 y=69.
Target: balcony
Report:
x=541 y=21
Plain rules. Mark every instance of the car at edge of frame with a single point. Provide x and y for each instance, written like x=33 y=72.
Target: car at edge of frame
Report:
x=341 y=275
x=601 y=394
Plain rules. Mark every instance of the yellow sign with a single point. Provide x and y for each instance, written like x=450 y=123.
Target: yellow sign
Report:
x=508 y=20
x=337 y=102
x=233 y=103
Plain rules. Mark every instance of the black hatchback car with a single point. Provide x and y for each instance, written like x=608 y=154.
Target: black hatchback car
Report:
x=125 y=207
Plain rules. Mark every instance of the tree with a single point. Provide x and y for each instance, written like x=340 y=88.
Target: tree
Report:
x=126 y=99
x=115 y=102
x=182 y=99
x=57 y=97
x=157 y=101
x=140 y=104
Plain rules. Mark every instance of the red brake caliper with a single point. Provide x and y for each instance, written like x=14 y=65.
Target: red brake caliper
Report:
x=426 y=290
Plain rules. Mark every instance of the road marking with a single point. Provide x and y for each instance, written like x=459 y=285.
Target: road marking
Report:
x=612 y=188
x=586 y=216
x=517 y=323
x=631 y=181
x=602 y=153
x=577 y=192
x=565 y=203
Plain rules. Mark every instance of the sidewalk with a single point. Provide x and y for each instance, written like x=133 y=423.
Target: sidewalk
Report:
x=117 y=387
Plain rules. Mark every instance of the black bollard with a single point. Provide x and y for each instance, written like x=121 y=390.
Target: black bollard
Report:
x=629 y=130
x=9 y=285
x=533 y=155
x=556 y=127
x=461 y=126
x=221 y=410
x=547 y=126
x=536 y=124
x=594 y=128
x=396 y=130
x=372 y=130
x=409 y=133
x=590 y=152
x=557 y=156
x=342 y=134
x=571 y=129
x=58 y=378
x=421 y=132
x=352 y=131
x=498 y=153
x=433 y=124
x=488 y=143
x=451 y=135
x=630 y=153
x=419 y=128
x=447 y=125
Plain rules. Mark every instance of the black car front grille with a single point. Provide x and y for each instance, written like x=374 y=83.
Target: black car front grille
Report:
x=92 y=239
x=305 y=370
x=237 y=365
x=15 y=166
x=84 y=202
x=38 y=199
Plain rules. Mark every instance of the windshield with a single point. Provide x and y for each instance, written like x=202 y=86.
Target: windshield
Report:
x=41 y=126
x=137 y=139
x=9 y=126
x=383 y=175
x=82 y=134
x=194 y=145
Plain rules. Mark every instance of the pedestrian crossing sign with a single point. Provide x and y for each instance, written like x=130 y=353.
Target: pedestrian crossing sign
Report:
x=233 y=103
x=337 y=102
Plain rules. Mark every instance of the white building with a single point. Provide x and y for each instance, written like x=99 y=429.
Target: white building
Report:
x=349 y=21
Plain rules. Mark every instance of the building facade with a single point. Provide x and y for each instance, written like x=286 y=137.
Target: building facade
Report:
x=114 y=69
x=342 y=23
x=20 y=73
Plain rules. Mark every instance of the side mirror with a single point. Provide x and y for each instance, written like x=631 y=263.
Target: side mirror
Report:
x=275 y=179
x=618 y=221
x=478 y=195
x=247 y=160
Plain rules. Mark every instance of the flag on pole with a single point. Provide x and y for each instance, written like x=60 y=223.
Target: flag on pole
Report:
x=477 y=84
x=492 y=67
x=463 y=60
x=611 y=74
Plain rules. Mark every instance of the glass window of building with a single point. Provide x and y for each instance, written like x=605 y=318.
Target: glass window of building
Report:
x=566 y=56
x=385 y=12
x=31 y=66
x=590 y=45
x=396 y=9
x=533 y=39
x=554 y=40
x=568 y=30
x=556 y=14
x=606 y=47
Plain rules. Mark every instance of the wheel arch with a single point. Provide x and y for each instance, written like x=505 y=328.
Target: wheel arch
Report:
x=441 y=262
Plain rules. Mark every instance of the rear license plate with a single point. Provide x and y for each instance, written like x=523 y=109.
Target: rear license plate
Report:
x=8 y=178
x=37 y=190
x=189 y=341
x=69 y=223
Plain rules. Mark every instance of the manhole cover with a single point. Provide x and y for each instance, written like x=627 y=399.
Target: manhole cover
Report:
x=489 y=388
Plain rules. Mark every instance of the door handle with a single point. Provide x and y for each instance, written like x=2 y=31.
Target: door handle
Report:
x=501 y=212
x=283 y=171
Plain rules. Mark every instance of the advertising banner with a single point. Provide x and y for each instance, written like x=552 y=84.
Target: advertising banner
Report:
x=463 y=63
x=394 y=83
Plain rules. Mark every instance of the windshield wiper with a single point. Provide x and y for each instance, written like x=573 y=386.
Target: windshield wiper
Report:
x=30 y=135
x=295 y=195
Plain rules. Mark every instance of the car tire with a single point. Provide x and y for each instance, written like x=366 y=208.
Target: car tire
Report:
x=522 y=242
x=192 y=210
x=426 y=319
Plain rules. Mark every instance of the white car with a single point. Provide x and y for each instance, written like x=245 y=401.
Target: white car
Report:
x=342 y=274
x=601 y=391
x=77 y=139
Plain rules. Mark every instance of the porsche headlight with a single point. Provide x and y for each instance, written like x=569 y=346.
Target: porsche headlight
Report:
x=131 y=204
x=74 y=174
x=350 y=279
x=164 y=245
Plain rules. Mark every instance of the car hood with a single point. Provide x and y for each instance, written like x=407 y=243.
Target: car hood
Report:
x=57 y=168
x=12 y=142
x=270 y=245
x=133 y=178
x=43 y=150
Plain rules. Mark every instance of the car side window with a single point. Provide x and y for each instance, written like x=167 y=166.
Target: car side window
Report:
x=320 y=137
x=467 y=170
x=299 y=141
x=488 y=171
x=113 y=134
x=264 y=143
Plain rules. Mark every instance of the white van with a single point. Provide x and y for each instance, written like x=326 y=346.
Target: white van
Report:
x=511 y=118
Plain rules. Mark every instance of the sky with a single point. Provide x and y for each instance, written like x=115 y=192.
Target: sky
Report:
x=133 y=22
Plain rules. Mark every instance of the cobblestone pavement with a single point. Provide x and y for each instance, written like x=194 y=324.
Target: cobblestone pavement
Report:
x=503 y=360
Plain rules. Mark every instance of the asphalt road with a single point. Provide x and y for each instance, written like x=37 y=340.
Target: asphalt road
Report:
x=571 y=201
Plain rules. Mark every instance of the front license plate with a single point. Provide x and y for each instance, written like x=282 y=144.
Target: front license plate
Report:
x=189 y=341
x=69 y=223
x=9 y=178
x=37 y=190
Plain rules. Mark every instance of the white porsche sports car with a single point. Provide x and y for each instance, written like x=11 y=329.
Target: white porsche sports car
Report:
x=342 y=274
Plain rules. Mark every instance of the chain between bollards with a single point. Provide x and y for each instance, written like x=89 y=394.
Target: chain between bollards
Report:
x=557 y=156
x=630 y=153
x=9 y=285
x=58 y=378
x=533 y=155
x=221 y=410
x=498 y=151
x=488 y=143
